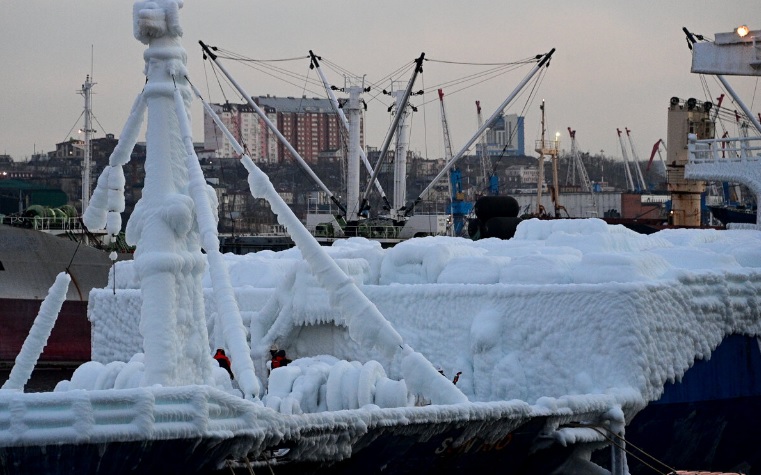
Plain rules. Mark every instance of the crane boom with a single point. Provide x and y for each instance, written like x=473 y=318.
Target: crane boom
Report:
x=586 y=183
x=445 y=129
x=640 y=177
x=458 y=207
x=542 y=62
x=656 y=148
x=485 y=168
x=627 y=171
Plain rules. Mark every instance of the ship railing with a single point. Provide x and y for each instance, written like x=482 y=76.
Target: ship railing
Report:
x=723 y=150
x=43 y=223
x=128 y=414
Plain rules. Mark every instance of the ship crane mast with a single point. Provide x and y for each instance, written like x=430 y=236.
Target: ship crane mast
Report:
x=543 y=61
x=551 y=148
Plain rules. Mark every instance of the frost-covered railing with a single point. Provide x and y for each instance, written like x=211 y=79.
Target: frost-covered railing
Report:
x=159 y=413
x=43 y=223
x=725 y=150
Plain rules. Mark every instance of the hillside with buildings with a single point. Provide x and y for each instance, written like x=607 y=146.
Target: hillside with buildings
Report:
x=313 y=128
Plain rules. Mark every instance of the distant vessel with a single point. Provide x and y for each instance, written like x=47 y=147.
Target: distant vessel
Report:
x=29 y=261
x=733 y=214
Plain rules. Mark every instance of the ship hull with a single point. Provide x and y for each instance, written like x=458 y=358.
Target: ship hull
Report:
x=727 y=214
x=30 y=260
x=68 y=342
x=711 y=420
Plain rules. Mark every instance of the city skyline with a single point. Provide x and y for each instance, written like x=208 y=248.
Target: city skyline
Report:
x=615 y=65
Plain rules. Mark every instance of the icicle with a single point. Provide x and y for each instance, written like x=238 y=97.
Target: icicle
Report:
x=39 y=333
x=107 y=201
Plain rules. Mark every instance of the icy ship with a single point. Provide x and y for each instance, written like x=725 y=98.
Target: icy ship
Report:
x=562 y=336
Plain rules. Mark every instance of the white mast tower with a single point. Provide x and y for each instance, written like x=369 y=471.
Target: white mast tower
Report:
x=400 y=153
x=355 y=86
x=86 y=91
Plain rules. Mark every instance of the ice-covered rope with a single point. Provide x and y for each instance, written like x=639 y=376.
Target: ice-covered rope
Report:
x=107 y=202
x=232 y=324
x=363 y=319
x=39 y=333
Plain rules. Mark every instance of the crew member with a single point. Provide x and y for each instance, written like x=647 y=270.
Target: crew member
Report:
x=279 y=359
x=224 y=361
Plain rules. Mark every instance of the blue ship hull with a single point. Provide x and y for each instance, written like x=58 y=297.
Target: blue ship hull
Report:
x=711 y=420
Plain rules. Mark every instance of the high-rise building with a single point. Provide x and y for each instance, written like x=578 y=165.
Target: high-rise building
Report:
x=310 y=125
x=505 y=137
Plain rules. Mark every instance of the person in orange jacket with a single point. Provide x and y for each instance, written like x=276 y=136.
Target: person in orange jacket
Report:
x=224 y=361
x=279 y=359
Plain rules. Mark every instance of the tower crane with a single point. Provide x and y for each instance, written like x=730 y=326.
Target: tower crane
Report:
x=578 y=165
x=458 y=207
x=640 y=177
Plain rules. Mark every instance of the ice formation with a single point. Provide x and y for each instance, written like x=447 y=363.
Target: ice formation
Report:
x=566 y=307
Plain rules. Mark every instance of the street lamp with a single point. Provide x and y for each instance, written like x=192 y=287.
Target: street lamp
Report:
x=742 y=31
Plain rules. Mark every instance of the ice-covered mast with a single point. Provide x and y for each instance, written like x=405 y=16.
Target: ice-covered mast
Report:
x=702 y=61
x=172 y=220
x=543 y=60
x=315 y=63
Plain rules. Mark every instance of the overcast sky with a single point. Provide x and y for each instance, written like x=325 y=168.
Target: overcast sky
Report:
x=617 y=63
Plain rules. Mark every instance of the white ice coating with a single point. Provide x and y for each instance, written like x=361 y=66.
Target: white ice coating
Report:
x=366 y=324
x=107 y=201
x=39 y=333
x=566 y=307
x=227 y=308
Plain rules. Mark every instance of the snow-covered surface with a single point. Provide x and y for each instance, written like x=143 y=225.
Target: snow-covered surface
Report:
x=567 y=307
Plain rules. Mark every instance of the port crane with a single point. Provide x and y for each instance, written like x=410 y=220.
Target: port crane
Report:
x=458 y=208
x=657 y=149
x=490 y=178
x=578 y=165
x=635 y=156
x=627 y=171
